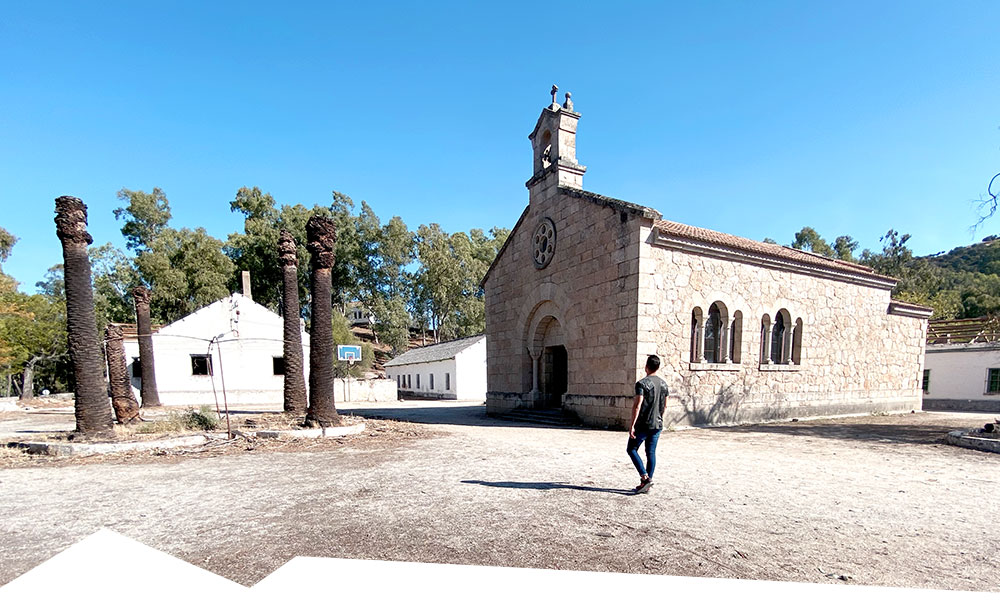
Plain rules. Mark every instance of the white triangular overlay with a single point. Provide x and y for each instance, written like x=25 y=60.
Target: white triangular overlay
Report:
x=109 y=565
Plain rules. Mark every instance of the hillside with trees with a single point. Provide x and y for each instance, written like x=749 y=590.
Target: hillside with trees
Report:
x=961 y=283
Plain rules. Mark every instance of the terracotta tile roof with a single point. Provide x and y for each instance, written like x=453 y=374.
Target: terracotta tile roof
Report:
x=764 y=248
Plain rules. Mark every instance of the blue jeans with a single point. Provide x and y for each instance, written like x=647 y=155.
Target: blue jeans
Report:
x=650 y=437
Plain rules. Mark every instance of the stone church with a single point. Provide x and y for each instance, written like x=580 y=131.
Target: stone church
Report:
x=587 y=286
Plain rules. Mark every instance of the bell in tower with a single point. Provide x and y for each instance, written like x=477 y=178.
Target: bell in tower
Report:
x=553 y=142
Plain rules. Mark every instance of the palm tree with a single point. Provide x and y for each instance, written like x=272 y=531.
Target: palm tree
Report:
x=321 y=234
x=93 y=411
x=147 y=390
x=295 y=383
x=122 y=398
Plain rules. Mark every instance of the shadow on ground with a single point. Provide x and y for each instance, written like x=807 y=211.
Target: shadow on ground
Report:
x=547 y=485
x=891 y=433
x=442 y=415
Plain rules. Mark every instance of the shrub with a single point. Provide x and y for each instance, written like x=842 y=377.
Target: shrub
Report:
x=204 y=419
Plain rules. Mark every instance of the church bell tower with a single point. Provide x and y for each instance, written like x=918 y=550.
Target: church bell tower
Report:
x=553 y=144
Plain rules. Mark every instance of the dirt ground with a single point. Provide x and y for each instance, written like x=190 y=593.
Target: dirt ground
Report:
x=876 y=500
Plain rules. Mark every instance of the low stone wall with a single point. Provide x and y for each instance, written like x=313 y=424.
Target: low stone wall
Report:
x=365 y=390
x=344 y=390
x=989 y=406
x=968 y=439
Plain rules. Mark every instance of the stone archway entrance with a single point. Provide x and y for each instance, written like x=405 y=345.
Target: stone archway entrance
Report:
x=550 y=364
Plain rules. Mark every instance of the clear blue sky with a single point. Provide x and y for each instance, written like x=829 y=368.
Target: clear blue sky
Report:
x=752 y=118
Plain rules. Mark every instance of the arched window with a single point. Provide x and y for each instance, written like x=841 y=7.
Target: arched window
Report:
x=736 y=337
x=713 y=335
x=777 y=338
x=765 y=338
x=696 y=335
x=797 y=342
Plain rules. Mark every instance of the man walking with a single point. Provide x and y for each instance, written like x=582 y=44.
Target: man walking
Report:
x=647 y=422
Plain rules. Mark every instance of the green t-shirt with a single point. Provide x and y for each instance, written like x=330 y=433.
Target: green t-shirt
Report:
x=654 y=399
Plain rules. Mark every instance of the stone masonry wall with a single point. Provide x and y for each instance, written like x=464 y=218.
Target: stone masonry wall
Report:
x=590 y=287
x=855 y=357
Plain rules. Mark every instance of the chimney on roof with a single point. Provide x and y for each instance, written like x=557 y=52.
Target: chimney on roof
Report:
x=246 y=285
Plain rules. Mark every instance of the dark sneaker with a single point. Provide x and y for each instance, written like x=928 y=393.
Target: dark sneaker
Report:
x=644 y=488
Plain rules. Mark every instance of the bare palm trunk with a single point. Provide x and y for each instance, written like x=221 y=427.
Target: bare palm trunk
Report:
x=322 y=240
x=295 y=382
x=122 y=398
x=147 y=365
x=93 y=411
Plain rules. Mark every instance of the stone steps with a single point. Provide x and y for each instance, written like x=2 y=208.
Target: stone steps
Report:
x=550 y=416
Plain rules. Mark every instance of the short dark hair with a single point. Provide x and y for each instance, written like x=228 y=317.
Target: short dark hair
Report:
x=653 y=363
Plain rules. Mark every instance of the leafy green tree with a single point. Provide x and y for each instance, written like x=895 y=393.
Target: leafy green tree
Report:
x=384 y=287
x=32 y=330
x=34 y=335
x=808 y=239
x=342 y=335
x=114 y=277
x=844 y=248
x=255 y=249
x=447 y=281
x=145 y=215
x=185 y=269
x=7 y=241
x=893 y=259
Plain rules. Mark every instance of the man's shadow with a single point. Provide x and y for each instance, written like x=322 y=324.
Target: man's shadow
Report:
x=547 y=485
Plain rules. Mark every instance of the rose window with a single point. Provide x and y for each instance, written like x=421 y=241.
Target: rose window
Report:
x=544 y=242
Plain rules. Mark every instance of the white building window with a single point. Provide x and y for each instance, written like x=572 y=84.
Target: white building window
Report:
x=432 y=380
x=201 y=364
x=993 y=381
x=447 y=381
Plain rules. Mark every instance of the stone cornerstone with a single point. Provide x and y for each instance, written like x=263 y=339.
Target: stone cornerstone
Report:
x=587 y=286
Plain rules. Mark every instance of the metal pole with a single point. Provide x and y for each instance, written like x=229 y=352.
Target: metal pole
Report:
x=211 y=377
x=225 y=400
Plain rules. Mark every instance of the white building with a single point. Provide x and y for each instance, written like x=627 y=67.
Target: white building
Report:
x=357 y=314
x=455 y=369
x=962 y=365
x=246 y=357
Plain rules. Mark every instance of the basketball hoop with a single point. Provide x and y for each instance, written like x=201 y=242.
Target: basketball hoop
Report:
x=350 y=354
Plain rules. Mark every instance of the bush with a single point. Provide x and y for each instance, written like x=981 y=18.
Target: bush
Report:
x=204 y=419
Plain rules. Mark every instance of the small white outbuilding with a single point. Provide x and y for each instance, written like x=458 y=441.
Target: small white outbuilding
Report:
x=455 y=370
x=962 y=365
x=233 y=344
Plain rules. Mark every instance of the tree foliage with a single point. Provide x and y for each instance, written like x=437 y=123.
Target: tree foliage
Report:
x=447 y=296
x=185 y=269
x=384 y=284
x=962 y=283
x=32 y=328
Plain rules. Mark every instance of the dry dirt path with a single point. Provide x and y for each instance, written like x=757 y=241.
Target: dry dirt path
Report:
x=870 y=500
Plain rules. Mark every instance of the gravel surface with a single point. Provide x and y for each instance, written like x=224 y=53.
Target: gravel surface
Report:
x=876 y=500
